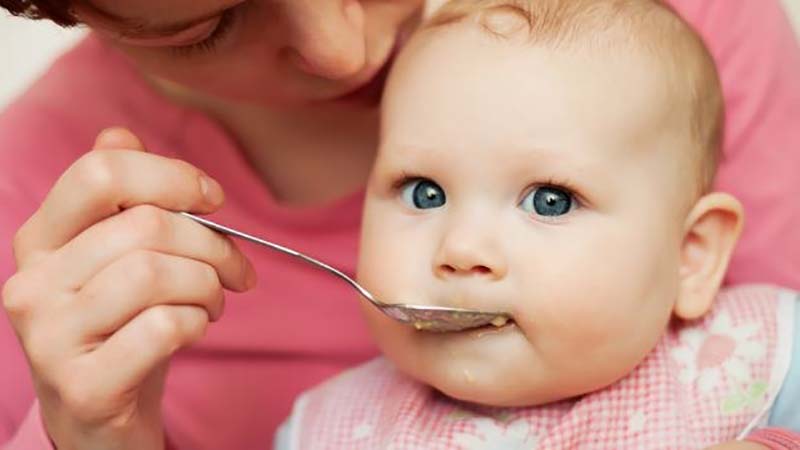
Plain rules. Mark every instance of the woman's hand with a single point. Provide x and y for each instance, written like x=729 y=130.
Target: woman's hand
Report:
x=110 y=284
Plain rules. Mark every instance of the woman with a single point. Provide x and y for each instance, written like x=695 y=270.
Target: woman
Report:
x=275 y=101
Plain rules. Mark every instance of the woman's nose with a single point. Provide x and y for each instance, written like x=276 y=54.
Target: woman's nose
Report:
x=329 y=41
x=468 y=252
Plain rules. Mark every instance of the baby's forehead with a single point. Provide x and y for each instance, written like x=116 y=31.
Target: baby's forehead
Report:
x=519 y=89
x=590 y=28
x=643 y=34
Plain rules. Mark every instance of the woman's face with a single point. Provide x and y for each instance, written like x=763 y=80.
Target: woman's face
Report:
x=261 y=51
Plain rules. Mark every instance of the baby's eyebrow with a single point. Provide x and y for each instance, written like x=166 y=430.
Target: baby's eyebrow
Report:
x=139 y=28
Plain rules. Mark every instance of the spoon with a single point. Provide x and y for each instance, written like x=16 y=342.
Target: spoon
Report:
x=428 y=318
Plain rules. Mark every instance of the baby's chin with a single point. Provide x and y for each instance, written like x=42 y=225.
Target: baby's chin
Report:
x=492 y=386
x=485 y=386
x=500 y=369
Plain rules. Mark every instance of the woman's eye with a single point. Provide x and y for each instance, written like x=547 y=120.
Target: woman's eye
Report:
x=224 y=26
x=423 y=194
x=548 y=201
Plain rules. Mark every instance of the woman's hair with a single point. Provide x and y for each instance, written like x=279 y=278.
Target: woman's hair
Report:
x=59 y=11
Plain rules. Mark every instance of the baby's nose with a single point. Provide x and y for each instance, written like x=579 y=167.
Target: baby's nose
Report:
x=467 y=270
x=469 y=257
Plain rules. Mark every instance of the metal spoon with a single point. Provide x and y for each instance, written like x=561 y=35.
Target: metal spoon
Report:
x=428 y=318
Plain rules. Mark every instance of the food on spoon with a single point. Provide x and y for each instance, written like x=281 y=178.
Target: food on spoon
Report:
x=499 y=321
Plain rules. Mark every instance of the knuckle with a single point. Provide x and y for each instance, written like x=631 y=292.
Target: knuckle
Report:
x=17 y=298
x=143 y=268
x=165 y=326
x=174 y=327
x=196 y=326
x=186 y=167
x=147 y=223
x=96 y=170
x=209 y=278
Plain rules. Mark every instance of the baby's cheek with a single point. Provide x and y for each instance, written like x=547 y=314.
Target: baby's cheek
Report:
x=583 y=321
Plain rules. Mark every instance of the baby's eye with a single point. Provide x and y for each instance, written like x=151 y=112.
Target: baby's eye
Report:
x=423 y=194
x=547 y=201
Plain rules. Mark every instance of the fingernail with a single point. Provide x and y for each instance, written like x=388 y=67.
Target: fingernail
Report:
x=211 y=190
x=100 y=140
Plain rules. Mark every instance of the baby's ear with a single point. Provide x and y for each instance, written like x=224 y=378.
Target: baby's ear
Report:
x=711 y=231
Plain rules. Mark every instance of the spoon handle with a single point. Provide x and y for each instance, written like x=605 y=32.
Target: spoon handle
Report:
x=248 y=237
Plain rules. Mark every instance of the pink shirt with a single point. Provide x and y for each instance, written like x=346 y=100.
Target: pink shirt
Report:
x=301 y=326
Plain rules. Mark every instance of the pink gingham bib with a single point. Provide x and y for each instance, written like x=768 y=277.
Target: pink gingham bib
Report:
x=705 y=383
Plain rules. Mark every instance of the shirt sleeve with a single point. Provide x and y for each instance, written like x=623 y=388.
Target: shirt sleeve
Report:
x=786 y=410
x=775 y=438
x=757 y=55
x=31 y=435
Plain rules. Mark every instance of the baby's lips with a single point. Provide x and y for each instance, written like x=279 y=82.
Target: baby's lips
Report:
x=472 y=302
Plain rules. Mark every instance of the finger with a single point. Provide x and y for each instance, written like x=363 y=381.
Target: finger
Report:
x=128 y=356
x=138 y=281
x=115 y=138
x=150 y=228
x=118 y=138
x=104 y=182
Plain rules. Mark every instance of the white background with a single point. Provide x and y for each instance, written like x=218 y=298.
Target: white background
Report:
x=27 y=47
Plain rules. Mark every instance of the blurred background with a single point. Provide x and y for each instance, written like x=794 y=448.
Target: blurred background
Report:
x=27 y=47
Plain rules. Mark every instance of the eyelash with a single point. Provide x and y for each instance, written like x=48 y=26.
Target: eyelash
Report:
x=209 y=44
x=404 y=179
x=563 y=185
x=556 y=184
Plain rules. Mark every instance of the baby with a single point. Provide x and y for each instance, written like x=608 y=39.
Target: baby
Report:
x=553 y=159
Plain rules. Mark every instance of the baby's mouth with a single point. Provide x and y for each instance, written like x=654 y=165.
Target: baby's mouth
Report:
x=500 y=325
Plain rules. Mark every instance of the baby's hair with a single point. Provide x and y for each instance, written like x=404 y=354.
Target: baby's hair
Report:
x=648 y=25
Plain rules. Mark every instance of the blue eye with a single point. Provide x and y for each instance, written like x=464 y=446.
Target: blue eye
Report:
x=547 y=201
x=423 y=194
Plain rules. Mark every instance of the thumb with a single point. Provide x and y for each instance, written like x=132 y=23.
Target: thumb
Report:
x=118 y=138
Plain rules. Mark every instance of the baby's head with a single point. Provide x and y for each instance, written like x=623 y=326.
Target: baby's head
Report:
x=551 y=159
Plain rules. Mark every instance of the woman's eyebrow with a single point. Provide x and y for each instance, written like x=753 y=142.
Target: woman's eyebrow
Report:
x=143 y=28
